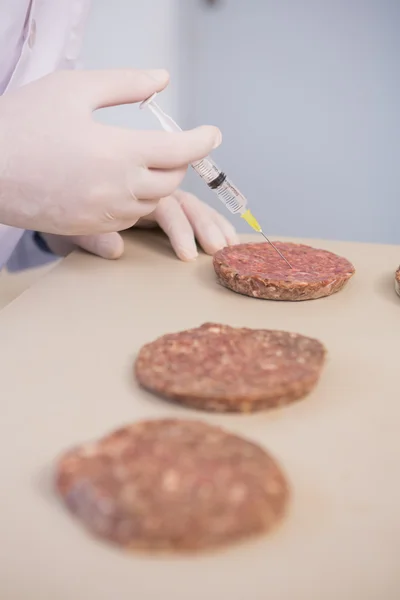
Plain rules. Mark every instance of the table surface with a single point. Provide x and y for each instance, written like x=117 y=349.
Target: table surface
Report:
x=68 y=345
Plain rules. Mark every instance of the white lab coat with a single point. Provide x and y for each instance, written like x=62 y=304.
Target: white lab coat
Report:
x=37 y=37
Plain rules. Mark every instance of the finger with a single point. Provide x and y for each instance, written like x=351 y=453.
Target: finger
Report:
x=153 y=184
x=105 y=245
x=201 y=217
x=113 y=87
x=171 y=218
x=166 y=150
x=162 y=149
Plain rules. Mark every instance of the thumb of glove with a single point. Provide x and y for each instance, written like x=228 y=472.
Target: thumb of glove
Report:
x=105 y=245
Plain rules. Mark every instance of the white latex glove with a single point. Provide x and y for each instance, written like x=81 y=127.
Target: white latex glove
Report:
x=182 y=216
x=62 y=172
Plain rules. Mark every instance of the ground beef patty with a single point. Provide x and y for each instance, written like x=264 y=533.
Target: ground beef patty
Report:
x=172 y=484
x=225 y=369
x=257 y=270
x=397 y=281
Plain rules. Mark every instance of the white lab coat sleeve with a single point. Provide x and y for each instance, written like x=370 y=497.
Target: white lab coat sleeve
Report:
x=28 y=254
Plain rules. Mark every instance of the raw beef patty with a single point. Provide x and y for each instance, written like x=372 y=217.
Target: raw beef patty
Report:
x=227 y=369
x=257 y=270
x=172 y=484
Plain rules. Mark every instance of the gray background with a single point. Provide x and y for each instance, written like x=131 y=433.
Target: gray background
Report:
x=306 y=93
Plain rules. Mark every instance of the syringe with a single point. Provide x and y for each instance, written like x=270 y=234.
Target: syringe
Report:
x=214 y=177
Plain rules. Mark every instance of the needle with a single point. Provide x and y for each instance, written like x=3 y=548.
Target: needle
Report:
x=276 y=249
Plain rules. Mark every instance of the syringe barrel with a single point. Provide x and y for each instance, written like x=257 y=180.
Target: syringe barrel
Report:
x=207 y=169
x=216 y=180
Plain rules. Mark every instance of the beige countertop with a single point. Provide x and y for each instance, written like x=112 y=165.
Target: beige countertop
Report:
x=66 y=354
x=13 y=285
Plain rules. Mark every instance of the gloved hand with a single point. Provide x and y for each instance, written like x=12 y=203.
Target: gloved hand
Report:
x=182 y=216
x=61 y=172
